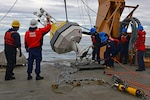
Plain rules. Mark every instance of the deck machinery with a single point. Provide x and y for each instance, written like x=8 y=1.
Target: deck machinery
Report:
x=108 y=20
x=65 y=36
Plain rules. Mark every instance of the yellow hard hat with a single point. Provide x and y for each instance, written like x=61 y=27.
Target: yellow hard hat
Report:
x=15 y=23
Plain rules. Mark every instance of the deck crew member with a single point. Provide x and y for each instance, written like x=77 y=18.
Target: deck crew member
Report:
x=140 y=47
x=124 y=43
x=96 y=45
x=112 y=49
x=33 y=44
x=12 y=42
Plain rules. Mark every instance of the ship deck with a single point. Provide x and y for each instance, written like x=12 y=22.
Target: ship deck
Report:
x=23 y=89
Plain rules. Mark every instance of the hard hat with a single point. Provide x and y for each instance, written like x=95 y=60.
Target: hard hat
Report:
x=33 y=23
x=92 y=30
x=140 y=27
x=124 y=30
x=15 y=23
x=101 y=34
x=103 y=39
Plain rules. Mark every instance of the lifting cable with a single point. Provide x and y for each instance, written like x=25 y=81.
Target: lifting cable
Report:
x=80 y=12
x=131 y=80
x=88 y=12
x=134 y=20
x=86 y=8
x=67 y=15
x=9 y=10
x=66 y=11
x=92 y=11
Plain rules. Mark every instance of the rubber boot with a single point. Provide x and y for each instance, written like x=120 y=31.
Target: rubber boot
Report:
x=29 y=77
x=38 y=77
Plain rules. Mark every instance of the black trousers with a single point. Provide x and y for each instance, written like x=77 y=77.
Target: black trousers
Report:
x=96 y=52
x=10 y=53
x=140 y=59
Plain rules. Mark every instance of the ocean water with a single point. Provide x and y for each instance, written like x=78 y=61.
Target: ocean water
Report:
x=49 y=54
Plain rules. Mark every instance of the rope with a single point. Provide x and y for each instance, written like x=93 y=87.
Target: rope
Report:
x=8 y=11
x=128 y=69
x=132 y=78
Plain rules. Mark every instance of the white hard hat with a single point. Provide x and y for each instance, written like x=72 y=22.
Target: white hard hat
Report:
x=33 y=23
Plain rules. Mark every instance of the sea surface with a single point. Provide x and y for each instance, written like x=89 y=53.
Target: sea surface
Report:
x=49 y=54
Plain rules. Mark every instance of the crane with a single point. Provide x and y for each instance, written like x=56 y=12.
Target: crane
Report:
x=108 y=20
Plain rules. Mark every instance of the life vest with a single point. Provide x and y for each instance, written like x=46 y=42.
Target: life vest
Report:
x=35 y=39
x=114 y=46
x=9 y=40
x=123 y=39
x=140 y=41
x=116 y=41
x=93 y=39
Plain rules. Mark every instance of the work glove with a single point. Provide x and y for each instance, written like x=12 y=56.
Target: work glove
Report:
x=48 y=19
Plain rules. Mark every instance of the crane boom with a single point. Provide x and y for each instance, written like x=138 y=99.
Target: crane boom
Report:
x=108 y=18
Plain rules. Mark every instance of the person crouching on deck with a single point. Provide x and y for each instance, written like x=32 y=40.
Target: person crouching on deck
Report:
x=124 y=43
x=112 y=49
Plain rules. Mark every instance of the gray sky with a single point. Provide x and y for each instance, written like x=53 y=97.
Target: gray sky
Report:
x=77 y=11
